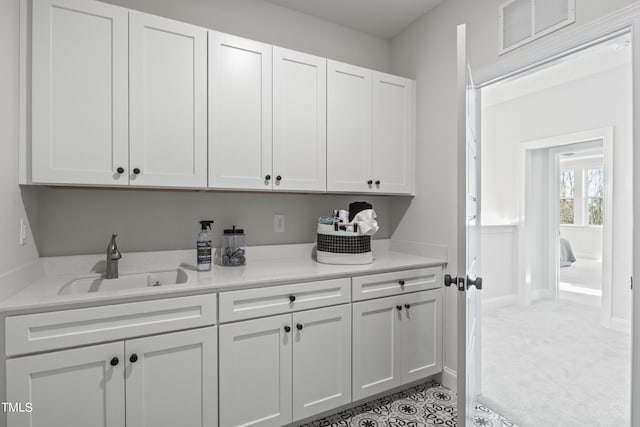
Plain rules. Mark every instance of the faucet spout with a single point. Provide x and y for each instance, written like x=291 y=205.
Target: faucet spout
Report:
x=113 y=255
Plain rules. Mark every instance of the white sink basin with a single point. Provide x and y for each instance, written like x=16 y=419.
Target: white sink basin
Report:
x=128 y=281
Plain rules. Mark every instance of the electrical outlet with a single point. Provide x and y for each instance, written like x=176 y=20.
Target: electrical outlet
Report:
x=23 y=232
x=278 y=223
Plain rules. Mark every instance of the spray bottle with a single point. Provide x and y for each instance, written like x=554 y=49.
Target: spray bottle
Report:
x=204 y=245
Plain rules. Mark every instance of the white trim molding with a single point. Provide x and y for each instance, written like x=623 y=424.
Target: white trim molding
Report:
x=450 y=378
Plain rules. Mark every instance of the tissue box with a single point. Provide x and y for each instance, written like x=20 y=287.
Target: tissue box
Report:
x=342 y=247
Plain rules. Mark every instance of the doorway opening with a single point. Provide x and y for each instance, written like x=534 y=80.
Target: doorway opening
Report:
x=557 y=162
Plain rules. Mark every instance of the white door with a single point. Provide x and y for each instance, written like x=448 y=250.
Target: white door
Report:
x=79 y=89
x=421 y=335
x=239 y=113
x=79 y=387
x=468 y=218
x=393 y=134
x=349 y=128
x=377 y=337
x=172 y=379
x=299 y=121
x=321 y=360
x=255 y=372
x=168 y=98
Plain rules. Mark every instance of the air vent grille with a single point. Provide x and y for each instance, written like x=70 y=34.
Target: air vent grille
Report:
x=522 y=21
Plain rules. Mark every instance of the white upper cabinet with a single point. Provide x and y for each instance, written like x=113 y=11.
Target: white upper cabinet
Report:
x=79 y=87
x=239 y=113
x=168 y=98
x=393 y=133
x=349 y=128
x=299 y=121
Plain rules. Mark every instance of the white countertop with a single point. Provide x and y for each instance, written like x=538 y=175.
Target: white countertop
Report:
x=295 y=266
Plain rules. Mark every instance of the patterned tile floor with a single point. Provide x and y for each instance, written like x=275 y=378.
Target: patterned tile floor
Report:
x=428 y=404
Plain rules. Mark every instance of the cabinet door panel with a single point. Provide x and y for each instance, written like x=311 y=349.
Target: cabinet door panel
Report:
x=239 y=113
x=168 y=91
x=422 y=335
x=349 y=127
x=76 y=387
x=299 y=121
x=79 y=89
x=393 y=133
x=174 y=379
x=376 y=346
x=321 y=360
x=255 y=372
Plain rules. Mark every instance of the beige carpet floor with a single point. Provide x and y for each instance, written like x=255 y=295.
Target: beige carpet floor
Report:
x=551 y=364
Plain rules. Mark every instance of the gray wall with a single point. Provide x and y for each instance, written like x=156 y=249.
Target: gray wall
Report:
x=75 y=221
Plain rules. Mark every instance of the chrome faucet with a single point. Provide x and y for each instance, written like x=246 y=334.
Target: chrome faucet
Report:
x=113 y=255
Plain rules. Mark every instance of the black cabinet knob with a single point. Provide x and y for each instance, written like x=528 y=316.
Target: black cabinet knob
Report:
x=133 y=358
x=292 y=298
x=278 y=178
x=399 y=307
x=267 y=178
x=378 y=182
x=136 y=171
x=120 y=170
x=407 y=306
x=114 y=361
x=401 y=282
x=370 y=182
x=287 y=329
x=299 y=326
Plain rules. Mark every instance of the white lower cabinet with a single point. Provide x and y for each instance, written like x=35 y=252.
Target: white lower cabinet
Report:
x=396 y=340
x=168 y=380
x=284 y=368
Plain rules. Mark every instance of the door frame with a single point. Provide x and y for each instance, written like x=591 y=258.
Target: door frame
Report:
x=558 y=45
x=526 y=294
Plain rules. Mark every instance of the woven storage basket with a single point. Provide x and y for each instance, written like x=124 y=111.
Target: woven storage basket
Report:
x=342 y=247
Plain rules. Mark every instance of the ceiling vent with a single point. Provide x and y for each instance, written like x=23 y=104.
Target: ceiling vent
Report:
x=522 y=21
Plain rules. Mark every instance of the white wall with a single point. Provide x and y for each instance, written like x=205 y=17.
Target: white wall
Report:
x=426 y=51
x=13 y=200
x=586 y=242
x=499 y=270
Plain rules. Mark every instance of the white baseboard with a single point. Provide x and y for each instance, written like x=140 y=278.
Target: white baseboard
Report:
x=537 y=294
x=495 y=302
x=449 y=378
x=622 y=325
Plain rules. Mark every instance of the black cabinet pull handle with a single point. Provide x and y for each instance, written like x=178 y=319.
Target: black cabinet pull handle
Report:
x=120 y=170
x=287 y=329
x=370 y=182
x=133 y=358
x=268 y=177
x=114 y=361
x=399 y=307
x=292 y=298
x=299 y=326
x=278 y=178
x=378 y=182
x=401 y=282
x=407 y=306
x=136 y=171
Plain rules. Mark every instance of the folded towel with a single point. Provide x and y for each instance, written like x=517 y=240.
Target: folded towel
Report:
x=366 y=220
x=356 y=207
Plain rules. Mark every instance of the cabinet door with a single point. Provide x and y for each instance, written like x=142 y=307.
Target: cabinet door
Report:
x=168 y=96
x=239 y=113
x=78 y=387
x=79 y=93
x=321 y=360
x=377 y=344
x=299 y=121
x=422 y=335
x=393 y=133
x=172 y=379
x=349 y=128
x=255 y=372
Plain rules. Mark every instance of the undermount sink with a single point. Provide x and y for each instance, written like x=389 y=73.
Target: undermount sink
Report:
x=125 y=281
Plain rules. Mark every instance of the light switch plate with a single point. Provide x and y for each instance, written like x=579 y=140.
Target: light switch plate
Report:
x=23 y=232
x=278 y=223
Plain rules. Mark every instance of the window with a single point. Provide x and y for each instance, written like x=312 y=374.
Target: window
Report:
x=567 y=202
x=595 y=195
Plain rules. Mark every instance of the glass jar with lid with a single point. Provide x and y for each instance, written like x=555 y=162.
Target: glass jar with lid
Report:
x=233 y=247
